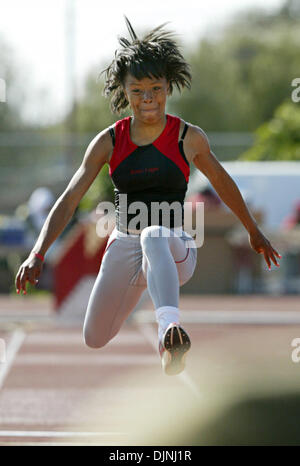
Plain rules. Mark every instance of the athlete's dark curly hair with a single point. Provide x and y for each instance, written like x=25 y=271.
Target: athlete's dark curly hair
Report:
x=156 y=55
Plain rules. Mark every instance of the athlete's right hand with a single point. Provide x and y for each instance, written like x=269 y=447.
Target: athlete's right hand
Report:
x=29 y=271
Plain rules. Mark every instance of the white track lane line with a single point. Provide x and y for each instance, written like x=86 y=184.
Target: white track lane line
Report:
x=257 y=317
x=57 y=444
x=57 y=359
x=12 y=349
x=151 y=336
x=76 y=338
x=55 y=434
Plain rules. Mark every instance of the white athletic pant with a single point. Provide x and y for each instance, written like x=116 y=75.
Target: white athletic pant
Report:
x=130 y=264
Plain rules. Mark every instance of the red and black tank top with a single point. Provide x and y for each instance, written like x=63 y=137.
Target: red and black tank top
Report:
x=151 y=174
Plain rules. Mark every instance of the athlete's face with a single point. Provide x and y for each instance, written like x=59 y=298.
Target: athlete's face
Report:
x=147 y=97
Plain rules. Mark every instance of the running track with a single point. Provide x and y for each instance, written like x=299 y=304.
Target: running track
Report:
x=54 y=390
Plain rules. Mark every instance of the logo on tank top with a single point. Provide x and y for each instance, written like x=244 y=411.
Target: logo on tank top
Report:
x=144 y=170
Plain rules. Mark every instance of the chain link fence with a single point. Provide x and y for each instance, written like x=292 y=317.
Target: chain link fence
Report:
x=30 y=160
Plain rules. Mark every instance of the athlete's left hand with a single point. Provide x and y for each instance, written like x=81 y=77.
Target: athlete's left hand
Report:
x=261 y=245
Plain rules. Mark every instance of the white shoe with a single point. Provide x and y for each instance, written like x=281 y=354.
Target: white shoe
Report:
x=173 y=348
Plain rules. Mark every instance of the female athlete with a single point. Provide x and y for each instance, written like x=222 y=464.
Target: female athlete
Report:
x=149 y=156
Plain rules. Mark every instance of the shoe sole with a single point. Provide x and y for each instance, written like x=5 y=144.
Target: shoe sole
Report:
x=176 y=343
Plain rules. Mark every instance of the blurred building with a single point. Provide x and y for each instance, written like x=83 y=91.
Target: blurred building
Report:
x=226 y=262
x=270 y=187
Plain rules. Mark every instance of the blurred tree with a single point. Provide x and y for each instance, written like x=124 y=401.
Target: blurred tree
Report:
x=242 y=74
x=90 y=114
x=93 y=111
x=10 y=118
x=93 y=114
x=278 y=139
x=290 y=9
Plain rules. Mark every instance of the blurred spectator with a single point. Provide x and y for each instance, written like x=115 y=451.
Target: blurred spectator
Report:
x=38 y=208
x=291 y=258
x=294 y=219
x=39 y=205
x=33 y=215
x=208 y=196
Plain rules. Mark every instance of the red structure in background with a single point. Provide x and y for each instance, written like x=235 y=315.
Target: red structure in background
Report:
x=80 y=255
x=294 y=218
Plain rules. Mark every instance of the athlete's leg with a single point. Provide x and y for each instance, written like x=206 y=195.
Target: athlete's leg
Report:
x=167 y=264
x=113 y=297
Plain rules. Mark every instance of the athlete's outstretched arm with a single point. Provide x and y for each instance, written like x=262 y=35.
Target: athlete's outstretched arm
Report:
x=203 y=158
x=96 y=155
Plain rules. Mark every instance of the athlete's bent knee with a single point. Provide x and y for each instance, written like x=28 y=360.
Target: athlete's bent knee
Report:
x=154 y=231
x=94 y=341
x=149 y=238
